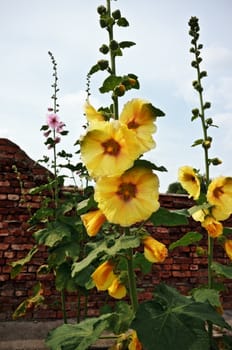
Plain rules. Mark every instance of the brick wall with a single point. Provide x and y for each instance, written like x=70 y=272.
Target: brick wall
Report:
x=183 y=269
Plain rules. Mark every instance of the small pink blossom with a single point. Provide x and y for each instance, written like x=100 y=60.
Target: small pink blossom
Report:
x=60 y=127
x=57 y=139
x=53 y=120
x=47 y=133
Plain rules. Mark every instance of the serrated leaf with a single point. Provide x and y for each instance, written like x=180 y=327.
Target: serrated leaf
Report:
x=222 y=270
x=52 y=235
x=124 y=44
x=207 y=295
x=78 y=336
x=18 y=265
x=104 y=248
x=110 y=83
x=186 y=240
x=172 y=319
x=165 y=217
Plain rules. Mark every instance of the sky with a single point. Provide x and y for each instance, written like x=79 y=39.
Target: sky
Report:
x=160 y=58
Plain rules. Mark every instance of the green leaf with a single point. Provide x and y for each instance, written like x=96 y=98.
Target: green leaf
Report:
x=109 y=247
x=187 y=239
x=125 y=315
x=227 y=231
x=172 y=319
x=110 y=83
x=222 y=270
x=122 y=22
x=63 y=280
x=197 y=142
x=207 y=295
x=78 y=336
x=165 y=217
x=156 y=111
x=17 y=266
x=59 y=254
x=52 y=235
x=149 y=165
x=94 y=69
x=124 y=44
x=142 y=263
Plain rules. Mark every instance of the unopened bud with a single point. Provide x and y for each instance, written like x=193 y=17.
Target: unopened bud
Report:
x=120 y=90
x=101 y=10
x=104 y=49
x=103 y=64
x=116 y=14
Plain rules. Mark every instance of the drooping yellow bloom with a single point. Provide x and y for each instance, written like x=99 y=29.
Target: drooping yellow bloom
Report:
x=139 y=117
x=134 y=343
x=228 y=248
x=104 y=276
x=189 y=181
x=117 y=290
x=92 y=114
x=154 y=251
x=109 y=148
x=129 y=198
x=219 y=194
x=212 y=226
x=93 y=221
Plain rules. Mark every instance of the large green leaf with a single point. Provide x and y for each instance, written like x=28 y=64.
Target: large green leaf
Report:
x=173 y=321
x=59 y=254
x=187 y=239
x=207 y=295
x=51 y=235
x=165 y=217
x=108 y=247
x=222 y=270
x=78 y=336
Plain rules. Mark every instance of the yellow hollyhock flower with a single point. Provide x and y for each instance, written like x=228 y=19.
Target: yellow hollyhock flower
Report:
x=109 y=148
x=154 y=251
x=134 y=343
x=117 y=290
x=189 y=181
x=212 y=226
x=219 y=194
x=93 y=221
x=92 y=114
x=139 y=117
x=228 y=248
x=103 y=276
x=129 y=198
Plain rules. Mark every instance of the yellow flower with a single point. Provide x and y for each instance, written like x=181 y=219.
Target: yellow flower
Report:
x=219 y=194
x=109 y=148
x=103 y=276
x=154 y=251
x=93 y=221
x=228 y=248
x=117 y=290
x=134 y=343
x=91 y=114
x=139 y=117
x=200 y=215
x=212 y=226
x=189 y=181
x=129 y=198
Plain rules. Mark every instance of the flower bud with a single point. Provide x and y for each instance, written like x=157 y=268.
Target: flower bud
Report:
x=206 y=144
x=101 y=10
x=119 y=90
x=114 y=45
x=216 y=161
x=103 y=64
x=104 y=49
x=207 y=105
x=116 y=14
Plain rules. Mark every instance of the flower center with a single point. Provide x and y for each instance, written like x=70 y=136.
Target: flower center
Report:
x=132 y=124
x=218 y=192
x=127 y=191
x=111 y=147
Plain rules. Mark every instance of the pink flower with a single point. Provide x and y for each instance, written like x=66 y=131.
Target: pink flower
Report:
x=47 y=133
x=53 y=120
x=57 y=139
x=60 y=126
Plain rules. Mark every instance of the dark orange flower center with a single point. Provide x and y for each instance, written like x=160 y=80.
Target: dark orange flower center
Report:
x=190 y=178
x=132 y=124
x=127 y=191
x=111 y=147
x=218 y=192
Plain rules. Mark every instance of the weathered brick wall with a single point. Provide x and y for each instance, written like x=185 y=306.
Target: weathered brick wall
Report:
x=183 y=269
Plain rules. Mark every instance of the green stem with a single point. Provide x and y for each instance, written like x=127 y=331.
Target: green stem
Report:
x=112 y=60
x=63 y=306
x=132 y=281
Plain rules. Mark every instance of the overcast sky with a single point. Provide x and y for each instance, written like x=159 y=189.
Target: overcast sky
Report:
x=161 y=60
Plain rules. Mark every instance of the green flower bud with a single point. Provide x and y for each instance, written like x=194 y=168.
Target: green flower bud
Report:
x=116 y=14
x=207 y=105
x=103 y=23
x=101 y=10
x=114 y=45
x=104 y=49
x=103 y=64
